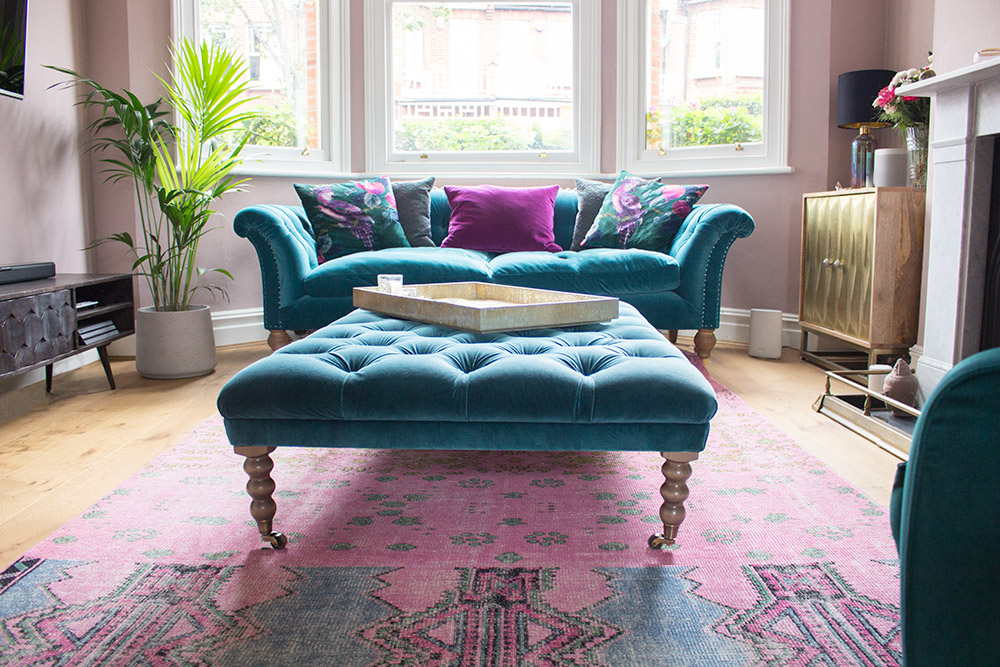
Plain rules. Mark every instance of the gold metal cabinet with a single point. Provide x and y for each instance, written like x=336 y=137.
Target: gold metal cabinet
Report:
x=862 y=252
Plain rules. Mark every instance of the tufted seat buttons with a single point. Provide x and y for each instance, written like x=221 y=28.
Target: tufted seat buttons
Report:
x=366 y=367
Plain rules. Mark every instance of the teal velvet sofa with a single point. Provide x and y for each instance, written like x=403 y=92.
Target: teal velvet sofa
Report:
x=945 y=519
x=680 y=289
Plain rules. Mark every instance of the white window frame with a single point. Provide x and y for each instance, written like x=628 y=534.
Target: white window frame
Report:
x=768 y=156
x=332 y=156
x=381 y=158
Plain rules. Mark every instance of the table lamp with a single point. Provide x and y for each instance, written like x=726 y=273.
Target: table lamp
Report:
x=855 y=93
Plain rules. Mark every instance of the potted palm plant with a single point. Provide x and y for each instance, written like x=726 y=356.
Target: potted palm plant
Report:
x=178 y=169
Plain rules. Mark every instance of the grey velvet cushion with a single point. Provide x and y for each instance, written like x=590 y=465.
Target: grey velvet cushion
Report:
x=590 y=197
x=413 y=202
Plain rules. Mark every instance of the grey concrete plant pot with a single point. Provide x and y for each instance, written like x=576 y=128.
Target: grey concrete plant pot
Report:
x=174 y=344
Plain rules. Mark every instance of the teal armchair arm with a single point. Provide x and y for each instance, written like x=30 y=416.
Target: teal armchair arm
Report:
x=286 y=249
x=700 y=247
x=947 y=520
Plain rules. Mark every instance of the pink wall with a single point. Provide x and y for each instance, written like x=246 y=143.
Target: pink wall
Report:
x=126 y=41
x=910 y=32
x=856 y=42
x=127 y=38
x=43 y=193
x=763 y=270
x=962 y=27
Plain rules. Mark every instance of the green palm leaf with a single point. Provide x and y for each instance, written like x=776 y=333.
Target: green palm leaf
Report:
x=177 y=170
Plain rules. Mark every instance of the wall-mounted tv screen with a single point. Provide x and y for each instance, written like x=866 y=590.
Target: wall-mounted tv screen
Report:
x=13 y=33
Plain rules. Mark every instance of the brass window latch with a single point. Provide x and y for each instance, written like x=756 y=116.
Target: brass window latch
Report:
x=739 y=146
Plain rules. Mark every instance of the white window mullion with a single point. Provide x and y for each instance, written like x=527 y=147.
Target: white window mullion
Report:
x=378 y=88
x=335 y=106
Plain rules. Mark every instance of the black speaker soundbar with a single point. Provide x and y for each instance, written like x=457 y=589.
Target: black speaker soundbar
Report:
x=19 y=273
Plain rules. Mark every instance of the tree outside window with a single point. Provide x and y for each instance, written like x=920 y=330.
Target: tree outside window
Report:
x=278 y=41
x=705 y=73
x=474 y=77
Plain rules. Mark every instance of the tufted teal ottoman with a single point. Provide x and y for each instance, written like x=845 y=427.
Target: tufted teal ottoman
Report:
x=370 y=381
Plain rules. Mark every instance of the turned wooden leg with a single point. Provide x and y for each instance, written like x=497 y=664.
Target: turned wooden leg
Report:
x=258 y=466
x=674 y=491
x=704 y=341
x=672 y=336
x=277 y=339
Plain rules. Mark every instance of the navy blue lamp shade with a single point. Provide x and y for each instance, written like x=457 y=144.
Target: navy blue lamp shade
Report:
x=856 y=91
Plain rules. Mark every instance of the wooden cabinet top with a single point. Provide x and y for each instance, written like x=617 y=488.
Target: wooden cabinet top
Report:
x=863 y=191
x=57 y=282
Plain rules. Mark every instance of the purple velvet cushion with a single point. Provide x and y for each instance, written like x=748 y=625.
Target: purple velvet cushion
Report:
x=490 y=218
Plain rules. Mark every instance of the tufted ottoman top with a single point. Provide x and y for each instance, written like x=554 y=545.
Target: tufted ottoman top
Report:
x=387 y=373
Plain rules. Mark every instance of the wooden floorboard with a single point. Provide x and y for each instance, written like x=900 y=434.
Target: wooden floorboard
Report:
x=783 y=391
x=62 y=452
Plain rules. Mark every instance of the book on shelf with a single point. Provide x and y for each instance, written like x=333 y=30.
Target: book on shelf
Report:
x=92 y=333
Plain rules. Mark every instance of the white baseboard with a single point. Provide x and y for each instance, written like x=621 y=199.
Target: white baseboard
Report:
x=734 y=327
x=231 y=327
x=247 y=326
x=38 y=375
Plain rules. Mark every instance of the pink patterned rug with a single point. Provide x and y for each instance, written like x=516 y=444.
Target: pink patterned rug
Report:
x=466 y=558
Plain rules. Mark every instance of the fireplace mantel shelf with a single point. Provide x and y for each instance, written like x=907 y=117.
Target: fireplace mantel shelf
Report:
x=965 y=123
x=966 y=76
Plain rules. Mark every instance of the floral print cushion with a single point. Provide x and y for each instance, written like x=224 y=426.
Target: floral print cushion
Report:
x=352 y=216
x=637 y=213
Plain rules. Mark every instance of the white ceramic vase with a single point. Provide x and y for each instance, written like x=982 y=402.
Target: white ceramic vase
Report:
x=174 y=344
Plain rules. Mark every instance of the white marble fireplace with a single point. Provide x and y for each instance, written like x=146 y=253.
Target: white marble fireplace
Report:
x=964 y=121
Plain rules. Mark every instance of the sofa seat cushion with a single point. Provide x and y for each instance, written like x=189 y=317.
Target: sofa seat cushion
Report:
x=596 y=271
x=339 y=276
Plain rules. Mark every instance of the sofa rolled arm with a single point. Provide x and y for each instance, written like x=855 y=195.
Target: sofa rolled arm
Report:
x=700 y=248
x=286 y=249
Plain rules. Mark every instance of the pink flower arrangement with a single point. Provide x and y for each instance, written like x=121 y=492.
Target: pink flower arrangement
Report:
x=905 y=111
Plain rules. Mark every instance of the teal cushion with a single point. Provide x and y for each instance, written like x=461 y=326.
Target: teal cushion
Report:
x=352 y=216
x=339 y=276
x=598 y=271
x=642 y=214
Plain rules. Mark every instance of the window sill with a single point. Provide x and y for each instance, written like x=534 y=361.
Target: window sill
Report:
x=325 y=170
x=651 y=171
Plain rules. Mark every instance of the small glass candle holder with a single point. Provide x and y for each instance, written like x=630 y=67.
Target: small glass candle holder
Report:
x=391 y=283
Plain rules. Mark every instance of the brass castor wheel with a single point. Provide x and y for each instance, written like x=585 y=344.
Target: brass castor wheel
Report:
x=657 y=540
x=275 y=539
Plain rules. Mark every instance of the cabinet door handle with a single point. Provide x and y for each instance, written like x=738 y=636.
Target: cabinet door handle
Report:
x=837 y=264
x=826 y=261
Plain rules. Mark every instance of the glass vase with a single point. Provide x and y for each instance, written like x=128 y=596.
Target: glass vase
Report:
x=916 y=156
